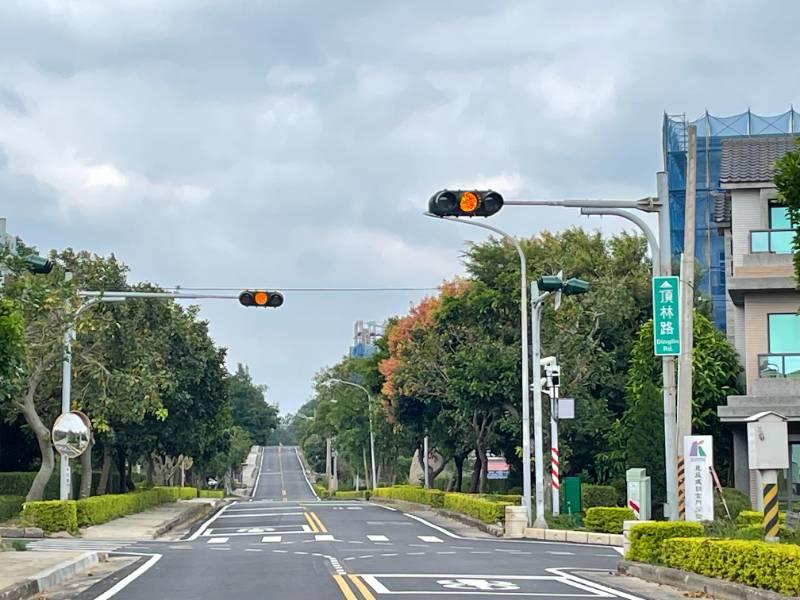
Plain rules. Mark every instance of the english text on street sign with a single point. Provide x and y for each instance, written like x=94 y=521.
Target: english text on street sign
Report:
x=666 y=316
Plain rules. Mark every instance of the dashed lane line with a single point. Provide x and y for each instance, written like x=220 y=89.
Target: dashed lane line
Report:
x=430 y=539
x=377 y=538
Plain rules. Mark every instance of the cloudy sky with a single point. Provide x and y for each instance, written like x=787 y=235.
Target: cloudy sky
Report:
x=234 y=143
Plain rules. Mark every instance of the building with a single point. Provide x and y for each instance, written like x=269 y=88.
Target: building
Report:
x=364 y=337
x=743 y=248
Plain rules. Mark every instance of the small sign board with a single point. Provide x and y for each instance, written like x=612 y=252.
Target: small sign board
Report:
x=666 y=316
x=497 y=468
x=698 y=455
x=566 y=408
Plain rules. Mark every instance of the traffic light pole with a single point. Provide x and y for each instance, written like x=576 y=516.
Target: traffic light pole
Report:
x=526 y=422
x=371 y=433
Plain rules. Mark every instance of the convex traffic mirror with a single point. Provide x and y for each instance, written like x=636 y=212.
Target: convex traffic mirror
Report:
x=71 y=434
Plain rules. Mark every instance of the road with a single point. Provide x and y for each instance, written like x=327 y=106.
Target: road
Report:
x=285 y=543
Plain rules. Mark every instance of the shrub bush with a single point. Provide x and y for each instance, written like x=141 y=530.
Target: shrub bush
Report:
x=10 y=506
x=484 y=509
x=754 y=518
x=598 y=495
x=564 y=521
x=774 y=567
x=411 y=493
x=18 y=483
x=51 y=515
x=101 y=509
x=607 y=519
x=510 y=498
x=647 y=539
x=737 y=503
x=352 y=494
x=211 y=493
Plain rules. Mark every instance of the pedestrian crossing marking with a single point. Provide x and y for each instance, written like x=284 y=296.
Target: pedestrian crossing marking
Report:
x=430 y=539
x=377 y=538
x=274 y=539
x=323 y=538
x=218 y=540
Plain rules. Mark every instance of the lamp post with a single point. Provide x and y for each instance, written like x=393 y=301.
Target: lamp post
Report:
x=526 y=423
x=371 y=433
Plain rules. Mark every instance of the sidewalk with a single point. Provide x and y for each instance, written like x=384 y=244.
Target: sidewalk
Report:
x=150 y=524
x=23 y=574
x=249 y=473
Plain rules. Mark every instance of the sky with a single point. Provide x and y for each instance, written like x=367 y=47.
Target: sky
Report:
x=243 y=143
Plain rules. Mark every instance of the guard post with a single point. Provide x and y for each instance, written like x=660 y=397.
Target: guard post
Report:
x=767 y=441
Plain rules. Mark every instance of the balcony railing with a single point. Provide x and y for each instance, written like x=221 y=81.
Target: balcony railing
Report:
x=772 y=241
x=779 y=365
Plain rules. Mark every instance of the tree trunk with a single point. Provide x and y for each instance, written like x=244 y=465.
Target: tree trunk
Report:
x=149 y=470
x=476 y=475
x=366 y=470
x=129 y=477
x=123 y=484
x=42 y=434
x=105 y=472
x=86 y=470
x=481 y=450
x=458 y=476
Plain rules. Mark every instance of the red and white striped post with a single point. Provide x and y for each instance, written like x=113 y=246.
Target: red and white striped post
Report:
x=555 y=474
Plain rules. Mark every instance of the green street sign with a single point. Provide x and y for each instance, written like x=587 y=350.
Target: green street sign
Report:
x=666 y=316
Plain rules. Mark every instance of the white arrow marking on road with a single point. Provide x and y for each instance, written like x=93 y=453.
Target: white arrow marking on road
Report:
x=477 y=584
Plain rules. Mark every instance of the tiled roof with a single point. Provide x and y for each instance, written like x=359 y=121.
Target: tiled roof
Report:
x=749 y=160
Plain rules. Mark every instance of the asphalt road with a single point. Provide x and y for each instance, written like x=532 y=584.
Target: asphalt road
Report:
x=284 y=543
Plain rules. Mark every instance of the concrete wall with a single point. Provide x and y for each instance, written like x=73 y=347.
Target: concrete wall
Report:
x=748 y=211
x=756 y=308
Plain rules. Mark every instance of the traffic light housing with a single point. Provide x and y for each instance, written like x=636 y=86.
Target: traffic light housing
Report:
x=550 y=283
x=38 y=265
x=574 y=286
x=570 y=287
x=465 y=203
x=261 y=298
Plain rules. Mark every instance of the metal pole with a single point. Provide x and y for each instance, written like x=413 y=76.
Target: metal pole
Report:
x=687 y=295
x=668 y=362
x=372 y=457
x=648 y=203
x=425 y=460
x=371 y=434
x=648 y=233
x=526 y=407
x=536 y=320
x=328 y=459
x=554 y=460
x=66 y=389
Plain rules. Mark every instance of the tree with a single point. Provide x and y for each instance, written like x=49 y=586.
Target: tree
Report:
x=12 y=347
x=787 y=180
x=250 y=409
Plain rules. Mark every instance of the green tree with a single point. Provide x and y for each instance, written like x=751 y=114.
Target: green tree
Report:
x=787 y=180
x=249 y=406
x=12 y=347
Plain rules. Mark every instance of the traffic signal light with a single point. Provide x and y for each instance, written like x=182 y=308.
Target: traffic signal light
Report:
x=550 y=283
x=261 y=298
x=465 y=203
x=38 y=265
x=554 y=283
x=575 y=286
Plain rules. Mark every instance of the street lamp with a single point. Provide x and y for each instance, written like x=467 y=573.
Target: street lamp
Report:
x=369 y=411
x=537 y=409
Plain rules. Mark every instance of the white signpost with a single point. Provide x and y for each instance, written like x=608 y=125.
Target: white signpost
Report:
x=698 y=451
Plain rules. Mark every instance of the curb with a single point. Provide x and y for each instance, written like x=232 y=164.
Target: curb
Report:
x=495 y=530
x=692 y=582
x=574 y=537
x=190 y=516
x=52 y=576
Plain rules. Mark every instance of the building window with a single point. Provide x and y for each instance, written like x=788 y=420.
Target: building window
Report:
x=778 y=238
x=783 y=359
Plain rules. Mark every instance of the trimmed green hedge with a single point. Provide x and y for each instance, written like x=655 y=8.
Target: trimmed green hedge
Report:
x=10 y=506
x=754 y=518
x=647 y=539
x=484 y=509
x=321 y=491
x=773 y=567
x=352 y=494
x=510 y=498
x=51 y=515
x=18 y=483
x=607 y=519
x=412 y=493
x=211 y=494
x=598 y=495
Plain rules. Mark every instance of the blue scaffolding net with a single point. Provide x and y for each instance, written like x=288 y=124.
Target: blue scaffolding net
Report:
x=709 y=242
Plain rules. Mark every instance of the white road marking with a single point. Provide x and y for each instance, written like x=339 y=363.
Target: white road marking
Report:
x=430 y=539
x=323 y=538
x=122 y=584
x=355 y=507
x=238 y=515
x=560 y=553
x=377 y=538
x=205 y=525
x=274 y=539
x=590 y=585
x=390 y=554
x=258 y=475
x=617 y=548
x=305 y=475
x=218 y=540
x=446 y=552
x=253 y=550
x=415 y=553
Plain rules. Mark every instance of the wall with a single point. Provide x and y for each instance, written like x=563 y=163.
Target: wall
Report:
x=756 y=308
x=748 y=212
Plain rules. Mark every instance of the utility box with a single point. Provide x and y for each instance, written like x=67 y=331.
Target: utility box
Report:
x=638 y=485
x=767 y=441
x=570 y=495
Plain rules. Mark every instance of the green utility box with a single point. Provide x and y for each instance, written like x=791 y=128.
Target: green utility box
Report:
x=570 y=495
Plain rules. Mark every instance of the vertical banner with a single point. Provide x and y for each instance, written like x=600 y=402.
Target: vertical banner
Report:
x=698 y=453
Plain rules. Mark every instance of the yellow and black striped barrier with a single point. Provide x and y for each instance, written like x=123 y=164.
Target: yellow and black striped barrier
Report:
x=771 y=525
x=681 y=489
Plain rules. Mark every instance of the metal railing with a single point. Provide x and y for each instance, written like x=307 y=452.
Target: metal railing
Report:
x=771 y=241
x=779 y=366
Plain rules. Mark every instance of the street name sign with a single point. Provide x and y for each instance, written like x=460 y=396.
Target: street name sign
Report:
x=666 y=316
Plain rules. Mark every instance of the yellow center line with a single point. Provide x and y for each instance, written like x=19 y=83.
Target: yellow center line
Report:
x=320 y=524
x=311 y=523
x=346 y=591
x=361 y=587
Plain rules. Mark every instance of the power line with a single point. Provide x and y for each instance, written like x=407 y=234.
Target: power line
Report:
x=305 y=289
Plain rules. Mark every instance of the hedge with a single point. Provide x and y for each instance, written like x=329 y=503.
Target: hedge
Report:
x=510 y=498
x=598 y=495
x=773 y=567
x=10 y=506
x=51 y=515
x=411 y=493
x=647 y=539
x=754 y=518
x=607 y=519
x=211 y=494
x=484 y=509
x=352 y=494
x=737 y=503
x=321 y=491
x=18 y=483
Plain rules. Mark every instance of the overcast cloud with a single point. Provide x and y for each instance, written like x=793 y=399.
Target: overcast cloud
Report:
x=294 y=144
